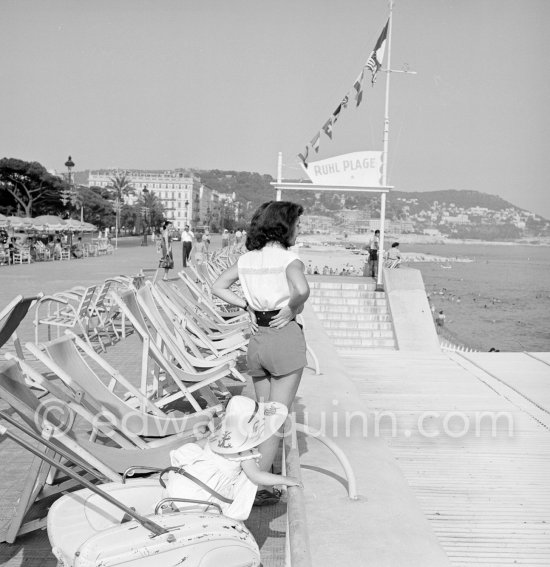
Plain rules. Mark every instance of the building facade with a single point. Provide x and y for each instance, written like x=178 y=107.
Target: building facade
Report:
x=178 y=190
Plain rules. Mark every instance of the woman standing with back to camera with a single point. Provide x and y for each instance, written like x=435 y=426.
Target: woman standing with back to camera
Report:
x=275 y=290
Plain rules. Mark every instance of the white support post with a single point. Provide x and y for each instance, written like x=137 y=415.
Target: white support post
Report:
x=379 y=286
x=386 y=139
x=278 y=196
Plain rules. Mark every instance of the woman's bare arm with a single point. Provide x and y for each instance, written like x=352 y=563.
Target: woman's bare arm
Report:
x=221 y=286
x=299 y=292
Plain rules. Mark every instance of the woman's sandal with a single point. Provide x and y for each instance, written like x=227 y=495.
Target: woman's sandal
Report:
x=267 y=498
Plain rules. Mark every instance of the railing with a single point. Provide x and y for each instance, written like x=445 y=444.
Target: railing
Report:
x=297 y=552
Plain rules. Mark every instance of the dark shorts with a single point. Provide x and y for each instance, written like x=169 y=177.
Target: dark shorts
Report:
x=276 y=352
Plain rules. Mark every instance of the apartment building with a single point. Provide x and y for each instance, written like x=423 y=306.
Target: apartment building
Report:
x=178 y=190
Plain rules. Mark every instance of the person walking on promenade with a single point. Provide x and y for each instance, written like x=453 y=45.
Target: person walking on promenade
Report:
x=187 y=242
x=226 y=463
x=275 y=290
x=225 y=238
x=372 y=264
x=167 y=258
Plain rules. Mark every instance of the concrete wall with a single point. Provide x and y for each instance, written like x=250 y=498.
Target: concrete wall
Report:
x=412 y=319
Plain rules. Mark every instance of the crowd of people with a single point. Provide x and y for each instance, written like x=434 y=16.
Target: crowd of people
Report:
x=196 y=247
x=48 y=247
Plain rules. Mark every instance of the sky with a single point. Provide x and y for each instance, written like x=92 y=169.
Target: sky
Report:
x=218 y=84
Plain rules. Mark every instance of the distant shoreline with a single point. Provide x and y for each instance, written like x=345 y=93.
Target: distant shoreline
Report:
x=418 y=239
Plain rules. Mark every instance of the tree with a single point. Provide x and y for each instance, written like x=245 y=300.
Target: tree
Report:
x=30 y=187
x=121 y=186
x=97 y=207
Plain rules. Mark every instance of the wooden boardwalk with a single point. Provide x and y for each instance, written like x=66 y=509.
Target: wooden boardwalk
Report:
x=485 y=491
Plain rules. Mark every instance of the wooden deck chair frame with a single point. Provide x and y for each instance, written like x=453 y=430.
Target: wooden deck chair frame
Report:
x=10 y=319
x=69 y=358
x=149 y=307
x=216 y=343
x=181 y=372
x=186 y=304
x=65 y=314
x=42 y=484
x=103 y=314
x=124 y=450
x=207 y=304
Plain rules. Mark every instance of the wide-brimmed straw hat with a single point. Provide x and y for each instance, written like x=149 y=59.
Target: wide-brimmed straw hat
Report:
x=246 y=424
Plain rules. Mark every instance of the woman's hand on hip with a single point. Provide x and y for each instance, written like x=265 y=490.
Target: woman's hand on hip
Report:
x=283 y=318
x=253 y=320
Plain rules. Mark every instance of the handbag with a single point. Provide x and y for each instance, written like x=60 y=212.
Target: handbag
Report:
x=166 y=262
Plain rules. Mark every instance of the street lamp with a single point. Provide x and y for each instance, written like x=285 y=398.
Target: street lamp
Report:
x=186 y=211
x=145 y=214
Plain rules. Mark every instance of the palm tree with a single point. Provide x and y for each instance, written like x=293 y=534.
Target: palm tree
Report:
x=121 y=186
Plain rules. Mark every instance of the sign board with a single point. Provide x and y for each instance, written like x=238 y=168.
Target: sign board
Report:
x=355 y=169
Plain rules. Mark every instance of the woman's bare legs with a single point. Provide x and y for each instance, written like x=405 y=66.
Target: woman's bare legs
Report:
x=281 y=389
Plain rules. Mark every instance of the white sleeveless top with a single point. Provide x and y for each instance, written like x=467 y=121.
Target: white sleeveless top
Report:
x=262 y=274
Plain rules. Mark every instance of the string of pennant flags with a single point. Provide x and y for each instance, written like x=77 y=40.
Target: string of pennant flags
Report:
x=373 y=64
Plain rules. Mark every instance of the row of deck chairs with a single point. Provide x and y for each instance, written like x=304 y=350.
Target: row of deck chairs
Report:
x=100 y=420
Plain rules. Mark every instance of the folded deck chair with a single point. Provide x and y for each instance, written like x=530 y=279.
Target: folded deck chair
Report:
x=78 y=365
x=185 y=304
x=10 y=319
x=229 y=350
x=61 y=312
x=41 y=485
x=210 y=344
x=103 y=314
x=178 y=369
x=220 y=311
x=108 y=448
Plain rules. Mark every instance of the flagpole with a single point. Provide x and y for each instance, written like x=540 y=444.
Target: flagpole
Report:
x=386 y=138
x=279 y=174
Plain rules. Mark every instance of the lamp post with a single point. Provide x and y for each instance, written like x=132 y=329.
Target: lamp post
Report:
x=187 y=212
x=117 y=206
x=68 y=193
x=145 y=214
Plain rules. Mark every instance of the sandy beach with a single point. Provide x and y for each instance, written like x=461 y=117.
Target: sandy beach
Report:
x=492 y=296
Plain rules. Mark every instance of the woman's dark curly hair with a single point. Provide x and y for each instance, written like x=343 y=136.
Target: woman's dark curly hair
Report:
x=273 y=222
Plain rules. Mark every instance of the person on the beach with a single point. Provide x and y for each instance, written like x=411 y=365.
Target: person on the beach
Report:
x=440 y=319
x=227 y=462
x=372 y=263
x=275 y=290
x=187 y=242
x=393 y=256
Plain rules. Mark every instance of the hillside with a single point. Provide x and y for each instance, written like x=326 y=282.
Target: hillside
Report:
x=255 y=189
x=460 y=198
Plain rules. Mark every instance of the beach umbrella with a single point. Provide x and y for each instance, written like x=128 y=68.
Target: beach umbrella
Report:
x=74 y=225
x=48 y=222
x=88 y=227
x=19 y=222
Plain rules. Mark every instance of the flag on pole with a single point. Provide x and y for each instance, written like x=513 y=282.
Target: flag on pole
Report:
x=336 y=113
x=315 y=142
x=303 y=156
x=358 y=86
x=374 y=62
x=327 y=127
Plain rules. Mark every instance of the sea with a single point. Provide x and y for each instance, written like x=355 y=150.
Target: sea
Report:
x=500 y=300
